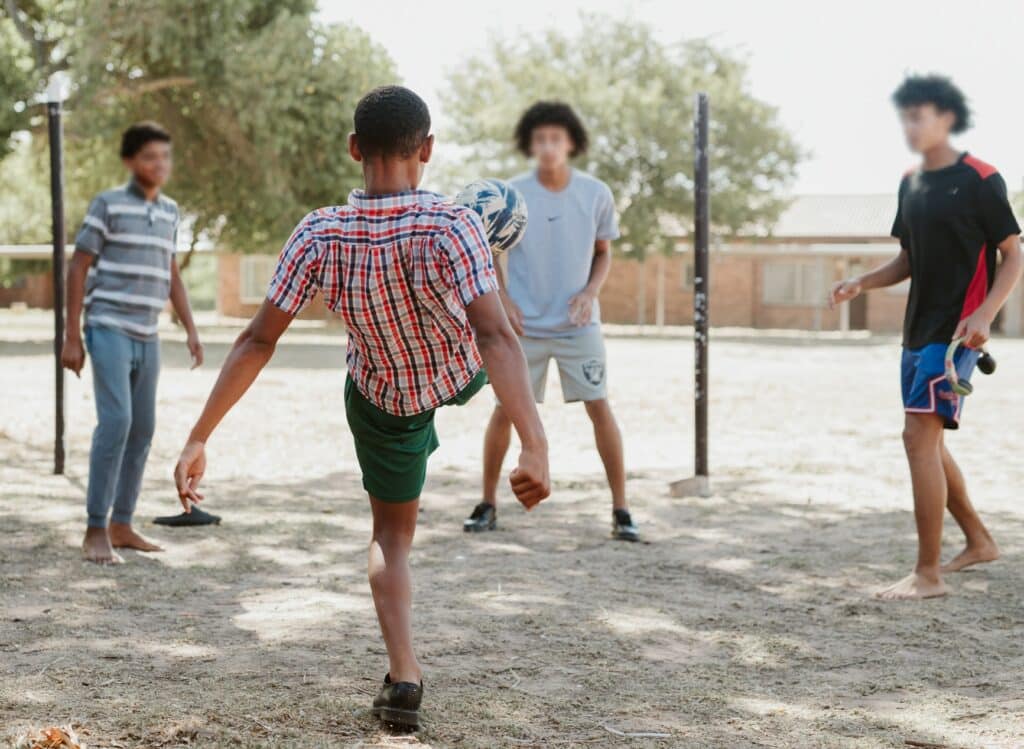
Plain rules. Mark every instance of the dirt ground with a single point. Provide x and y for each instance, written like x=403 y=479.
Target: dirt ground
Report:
x=744 y=620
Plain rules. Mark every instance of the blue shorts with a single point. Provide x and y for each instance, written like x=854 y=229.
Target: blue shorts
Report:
x=925 y=388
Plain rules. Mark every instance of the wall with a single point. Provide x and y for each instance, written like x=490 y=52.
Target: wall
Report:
x=229 y=289
x=35 y=290
x=732 y=285
x=736 y=294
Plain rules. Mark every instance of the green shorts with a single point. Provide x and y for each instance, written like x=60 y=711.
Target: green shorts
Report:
x=392 y=450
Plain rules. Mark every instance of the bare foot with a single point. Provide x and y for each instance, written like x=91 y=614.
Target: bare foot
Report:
x=96 y=547
x=123 y=536
x=914 y=587
x=986 y=551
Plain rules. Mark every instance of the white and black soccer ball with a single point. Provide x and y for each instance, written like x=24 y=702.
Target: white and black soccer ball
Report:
x=502 y=209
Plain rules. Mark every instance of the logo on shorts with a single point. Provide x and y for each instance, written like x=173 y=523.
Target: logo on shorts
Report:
x=948 y=395
x=593 y=370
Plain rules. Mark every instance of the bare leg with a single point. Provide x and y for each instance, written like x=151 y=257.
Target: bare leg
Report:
x=496 y=442
x=394 y=524
x=96 y=547
x=609 y=447
x=922 y=438
x=980 y=545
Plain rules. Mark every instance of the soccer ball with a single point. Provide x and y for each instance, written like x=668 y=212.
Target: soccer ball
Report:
x=502 y=208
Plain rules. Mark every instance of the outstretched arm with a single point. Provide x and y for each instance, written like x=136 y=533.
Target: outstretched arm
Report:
x=890 y=274
x=506 y=369
x=251 y=352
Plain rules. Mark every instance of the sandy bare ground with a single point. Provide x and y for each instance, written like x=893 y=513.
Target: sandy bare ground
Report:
x=744 y=621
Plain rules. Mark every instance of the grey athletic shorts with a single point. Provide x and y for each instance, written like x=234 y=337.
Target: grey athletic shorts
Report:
x=581 y=364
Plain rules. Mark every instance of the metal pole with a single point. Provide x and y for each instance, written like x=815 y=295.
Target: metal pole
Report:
x=699 y=484
x=53 y=112
x=701 y=221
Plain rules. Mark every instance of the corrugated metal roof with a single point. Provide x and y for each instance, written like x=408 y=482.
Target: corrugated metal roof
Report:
x=867 y=216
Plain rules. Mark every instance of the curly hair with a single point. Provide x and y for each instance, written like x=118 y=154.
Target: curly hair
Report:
x=391 y=121
x=938 y=90
x=551 y=113
x=138 y=135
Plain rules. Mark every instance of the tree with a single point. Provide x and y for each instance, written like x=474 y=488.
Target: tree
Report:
x=257 y=95
x=636 y=95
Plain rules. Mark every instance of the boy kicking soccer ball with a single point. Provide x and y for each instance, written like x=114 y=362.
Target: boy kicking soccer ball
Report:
x=413 y=277
x=952 y=220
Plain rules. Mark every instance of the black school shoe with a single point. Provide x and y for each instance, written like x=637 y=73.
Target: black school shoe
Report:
x=622 y=526
x=398 y=704
x=484 y=518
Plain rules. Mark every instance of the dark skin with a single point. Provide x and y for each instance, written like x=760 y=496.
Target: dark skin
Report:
x=150 y=168
x=394 y=524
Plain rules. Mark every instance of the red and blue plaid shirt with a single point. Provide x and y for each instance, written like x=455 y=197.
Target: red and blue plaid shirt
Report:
x=400 y=270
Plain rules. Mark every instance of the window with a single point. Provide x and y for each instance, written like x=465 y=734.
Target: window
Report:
x=254 y=273
x=798 y=283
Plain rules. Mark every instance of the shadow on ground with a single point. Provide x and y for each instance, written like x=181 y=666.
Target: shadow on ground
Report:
x=743 y=621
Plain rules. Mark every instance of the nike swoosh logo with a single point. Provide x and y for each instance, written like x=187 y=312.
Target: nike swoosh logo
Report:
x=554 y=218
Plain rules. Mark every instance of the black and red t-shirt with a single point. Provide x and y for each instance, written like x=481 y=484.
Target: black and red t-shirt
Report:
x=950 y=221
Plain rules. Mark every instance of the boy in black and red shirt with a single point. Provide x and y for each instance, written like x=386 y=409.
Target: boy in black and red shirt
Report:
x=952 y=221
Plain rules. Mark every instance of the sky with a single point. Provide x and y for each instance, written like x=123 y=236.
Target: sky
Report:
x=828 y=66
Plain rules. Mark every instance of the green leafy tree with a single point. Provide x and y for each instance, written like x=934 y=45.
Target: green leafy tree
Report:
x=636 y=96
x=258 y=95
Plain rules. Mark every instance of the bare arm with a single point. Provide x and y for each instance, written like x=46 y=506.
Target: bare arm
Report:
x=507 y=371
x=890 y=274
x=73 y=353
x=515 y=315
x=179 y=301
x=601 y=265
x=976 y=328
x=581 y=306
x=251 y=352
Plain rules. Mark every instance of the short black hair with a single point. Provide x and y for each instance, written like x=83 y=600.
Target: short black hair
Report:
x=938 y=90
x=551 y=113
x=391 y=121
x=139 y=134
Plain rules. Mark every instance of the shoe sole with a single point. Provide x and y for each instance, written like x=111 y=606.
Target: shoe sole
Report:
x=398 y=718
x=625 y=537
x=479 y=528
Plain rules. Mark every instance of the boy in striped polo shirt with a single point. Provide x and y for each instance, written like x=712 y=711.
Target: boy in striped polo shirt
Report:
x=123 y=272
x=413 y=277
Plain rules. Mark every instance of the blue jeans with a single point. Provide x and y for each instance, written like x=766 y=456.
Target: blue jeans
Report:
x=124 y=374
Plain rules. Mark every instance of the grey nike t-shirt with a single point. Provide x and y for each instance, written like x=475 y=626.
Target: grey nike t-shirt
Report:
x=552 y=262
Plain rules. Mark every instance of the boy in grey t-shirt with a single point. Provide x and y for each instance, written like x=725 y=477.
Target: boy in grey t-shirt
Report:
x=554 y=277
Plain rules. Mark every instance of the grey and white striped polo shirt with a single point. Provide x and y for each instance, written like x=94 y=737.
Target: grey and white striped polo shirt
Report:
x=133 y=241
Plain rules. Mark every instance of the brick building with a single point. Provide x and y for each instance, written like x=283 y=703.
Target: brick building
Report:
x=30 y=289
x=776 y=281
x=773 y=281
x=781 y=280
